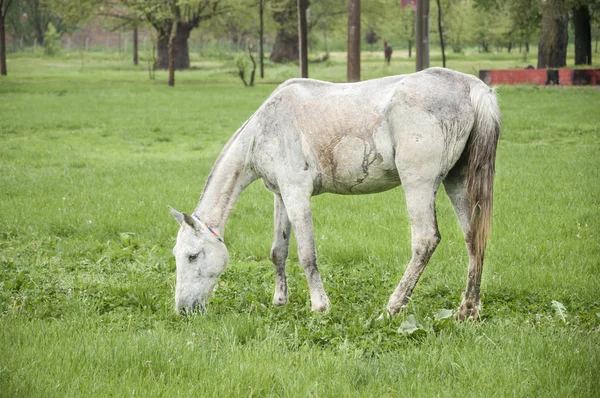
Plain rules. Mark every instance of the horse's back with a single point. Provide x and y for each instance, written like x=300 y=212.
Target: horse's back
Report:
x=351 y=134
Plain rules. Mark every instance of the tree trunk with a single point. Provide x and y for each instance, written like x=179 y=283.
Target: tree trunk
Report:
x=285 y=48
x=302 y=36
x=441 y=30
x=583 y=35
x=554 y=35
x=3 y=70
x=409 y=48
x=172 y=54
x=261 y=34
x=162 y=47
x=422 y=40
x=180 y=47
x=353 y=41
x=39 y=34
x=135 y=45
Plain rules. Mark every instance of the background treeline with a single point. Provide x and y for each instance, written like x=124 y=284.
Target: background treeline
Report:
x=215 y=27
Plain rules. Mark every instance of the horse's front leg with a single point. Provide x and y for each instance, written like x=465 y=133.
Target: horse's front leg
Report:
x=300 y=215
x=279 y=250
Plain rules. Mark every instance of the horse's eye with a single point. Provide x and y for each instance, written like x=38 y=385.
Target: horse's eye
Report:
x=193 y=257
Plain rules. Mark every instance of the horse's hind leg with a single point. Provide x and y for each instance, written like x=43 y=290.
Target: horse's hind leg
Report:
x=456 y=189
x=420 y=200
x=279 y=250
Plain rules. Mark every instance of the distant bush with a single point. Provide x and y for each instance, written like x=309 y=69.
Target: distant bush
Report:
x=51 y=40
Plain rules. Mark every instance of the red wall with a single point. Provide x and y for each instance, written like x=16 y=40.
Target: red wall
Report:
x=566 y=76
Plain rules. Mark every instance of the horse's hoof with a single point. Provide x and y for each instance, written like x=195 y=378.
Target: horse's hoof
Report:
x=320 y=307
x=396 y=304
x=395 y=310
x=279 y=301
x=468 y=310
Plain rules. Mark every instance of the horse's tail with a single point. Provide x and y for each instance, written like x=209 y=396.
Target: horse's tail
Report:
x=481 y=166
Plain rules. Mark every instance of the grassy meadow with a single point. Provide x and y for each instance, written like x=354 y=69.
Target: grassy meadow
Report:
x=90 y=158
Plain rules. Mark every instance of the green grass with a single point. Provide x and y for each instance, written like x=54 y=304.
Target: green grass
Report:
x=90 y=160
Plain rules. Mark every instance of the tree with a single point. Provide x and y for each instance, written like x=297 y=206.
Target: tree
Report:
x=583 y=31
x=353 y=40
x=4 y=5
x=554 y=34
x=16 y=22
x=285 y=15
x=491 y=23
x=371 y=37
x=261 y=36
x=41 y=13
x=302 y=38
x=456 y=23
x=408 y=17
x=176 y=18
x=422 y=35
x=135 y=45
x=441 y=31
x=524 y=18
x=126 y=15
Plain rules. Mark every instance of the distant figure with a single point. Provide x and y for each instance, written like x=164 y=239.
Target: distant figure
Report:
x=387 y=51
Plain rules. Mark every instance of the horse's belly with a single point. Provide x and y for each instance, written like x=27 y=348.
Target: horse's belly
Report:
x=355 y=165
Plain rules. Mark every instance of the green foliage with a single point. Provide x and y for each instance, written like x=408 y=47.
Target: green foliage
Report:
x=457 y=24
x=75 y=13
x=51 y=41
x=242 y=62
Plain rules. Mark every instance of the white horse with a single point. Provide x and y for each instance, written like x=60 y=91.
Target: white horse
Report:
x=311 y=137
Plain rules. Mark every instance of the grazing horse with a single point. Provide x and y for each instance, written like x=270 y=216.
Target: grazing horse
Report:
x=387 y=51
x=311 y=137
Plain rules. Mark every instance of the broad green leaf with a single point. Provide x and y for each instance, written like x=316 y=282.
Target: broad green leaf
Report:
x=409 y=326
x=443 y=314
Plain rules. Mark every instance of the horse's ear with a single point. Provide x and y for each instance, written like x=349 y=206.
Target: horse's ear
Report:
x=191 y=222
x=178 y=216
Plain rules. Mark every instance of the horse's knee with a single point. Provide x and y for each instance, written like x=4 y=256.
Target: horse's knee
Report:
x=425 y=244
x=278 y=255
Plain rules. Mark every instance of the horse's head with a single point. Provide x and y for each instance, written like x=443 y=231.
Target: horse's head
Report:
x=201 y=257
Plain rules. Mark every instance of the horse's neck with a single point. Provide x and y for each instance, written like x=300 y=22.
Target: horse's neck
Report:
x=230 y=175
